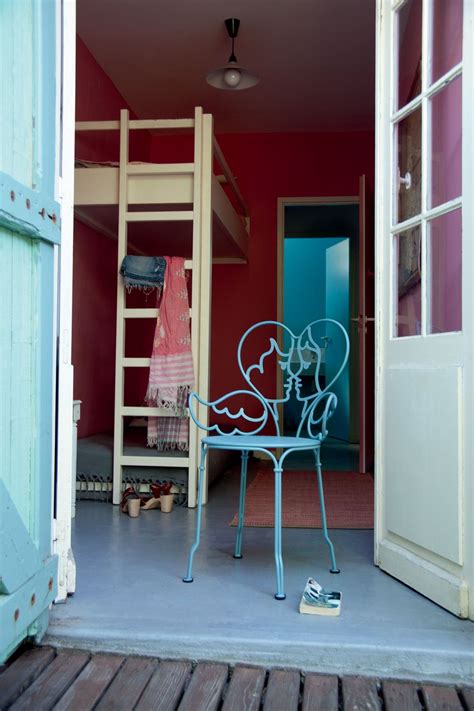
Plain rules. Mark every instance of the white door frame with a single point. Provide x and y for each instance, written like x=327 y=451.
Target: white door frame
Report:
x=454 y=587
x=64 y=411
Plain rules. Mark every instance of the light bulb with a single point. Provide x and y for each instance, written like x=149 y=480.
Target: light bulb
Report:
x=232 y=78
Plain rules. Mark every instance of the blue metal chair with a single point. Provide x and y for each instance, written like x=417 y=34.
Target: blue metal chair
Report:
x=312 y=348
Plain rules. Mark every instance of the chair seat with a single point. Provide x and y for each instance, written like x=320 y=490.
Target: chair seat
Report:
x=252 y=442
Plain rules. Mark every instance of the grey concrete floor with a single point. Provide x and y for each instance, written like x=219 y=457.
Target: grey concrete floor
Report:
x=130 y=598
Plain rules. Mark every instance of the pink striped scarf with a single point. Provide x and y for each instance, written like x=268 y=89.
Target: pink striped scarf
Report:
x=171 y=368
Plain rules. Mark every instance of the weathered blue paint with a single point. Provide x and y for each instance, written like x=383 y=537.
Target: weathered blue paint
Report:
x=28 y=212
x=29 y=231
x=44 y=86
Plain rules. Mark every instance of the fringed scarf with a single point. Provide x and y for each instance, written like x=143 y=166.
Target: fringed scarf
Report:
x=171 y=368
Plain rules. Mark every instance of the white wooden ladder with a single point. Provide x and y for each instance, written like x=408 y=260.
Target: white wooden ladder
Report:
x=201 y=262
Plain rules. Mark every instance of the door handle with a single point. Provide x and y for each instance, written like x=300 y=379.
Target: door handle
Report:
x=362 y=321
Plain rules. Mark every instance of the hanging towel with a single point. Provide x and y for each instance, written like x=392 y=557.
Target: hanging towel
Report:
x=171 y=368
x=169 y=433
x=144 y=273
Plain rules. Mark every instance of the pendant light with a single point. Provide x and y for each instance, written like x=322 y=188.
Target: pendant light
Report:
x=231 y=76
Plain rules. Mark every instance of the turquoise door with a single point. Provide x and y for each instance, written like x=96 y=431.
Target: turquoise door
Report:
x=29 y=231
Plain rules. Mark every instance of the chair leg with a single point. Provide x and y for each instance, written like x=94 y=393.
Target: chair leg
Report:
x=280 y=593
x=332 y=555
x=243 y=488
x=189 y=575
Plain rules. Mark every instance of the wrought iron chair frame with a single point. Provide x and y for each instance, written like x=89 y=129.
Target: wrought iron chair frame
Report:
x=317 y=408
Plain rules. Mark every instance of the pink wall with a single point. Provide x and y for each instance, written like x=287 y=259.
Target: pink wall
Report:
x=269 y=166
x=95 y=256
x=97 y=99
x=93 y=336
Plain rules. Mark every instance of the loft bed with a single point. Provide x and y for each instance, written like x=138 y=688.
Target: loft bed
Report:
x=180 y=209
x=166 y=188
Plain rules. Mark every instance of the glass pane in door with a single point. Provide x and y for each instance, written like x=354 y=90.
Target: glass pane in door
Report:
x=447 y=36
x=445 y=287
x=446 y=143
x=409 y=166
x=408 y=289
x=409 y=51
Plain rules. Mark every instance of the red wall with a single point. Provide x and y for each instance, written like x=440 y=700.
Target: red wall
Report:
x=267 y=166
x=95 y=256
x=93 y=335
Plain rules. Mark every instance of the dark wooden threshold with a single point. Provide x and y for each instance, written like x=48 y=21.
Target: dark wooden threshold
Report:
x=44 y=678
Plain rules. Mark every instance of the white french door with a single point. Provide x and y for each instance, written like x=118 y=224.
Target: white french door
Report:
x=424 y=256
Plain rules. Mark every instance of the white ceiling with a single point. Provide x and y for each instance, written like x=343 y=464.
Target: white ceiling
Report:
x=315 y=59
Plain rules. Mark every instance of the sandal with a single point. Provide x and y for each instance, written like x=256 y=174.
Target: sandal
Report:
x=129 y=493
x=152 y=503
x=156 y=490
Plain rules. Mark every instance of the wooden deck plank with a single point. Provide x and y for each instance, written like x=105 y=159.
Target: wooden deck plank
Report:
x=205 y=688
x=128 y=685
x=360 y=693
x=22 y=673
x=321 y=693
x=165 y=687
x=467 y=693
x=283 y=691
x=401 y=695
x=245 y=689
x=51 y=684
x=441 y=698
x=44 y=678
x=91 y=683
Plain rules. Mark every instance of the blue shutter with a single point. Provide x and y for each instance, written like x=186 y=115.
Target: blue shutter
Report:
x=29 y=231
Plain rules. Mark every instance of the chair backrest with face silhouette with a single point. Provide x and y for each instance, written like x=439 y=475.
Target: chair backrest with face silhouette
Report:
x=299 y=356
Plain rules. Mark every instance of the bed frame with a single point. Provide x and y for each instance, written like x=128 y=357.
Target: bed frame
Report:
x=206 y=228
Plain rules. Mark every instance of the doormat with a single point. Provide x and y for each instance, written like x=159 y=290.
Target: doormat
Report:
x=349 y=498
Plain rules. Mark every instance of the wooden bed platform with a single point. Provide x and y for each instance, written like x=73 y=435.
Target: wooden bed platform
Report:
x=176 y=209
x=96 y=203
x=96 y=198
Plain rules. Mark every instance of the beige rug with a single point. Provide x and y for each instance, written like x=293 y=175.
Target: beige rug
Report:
x=349 y=500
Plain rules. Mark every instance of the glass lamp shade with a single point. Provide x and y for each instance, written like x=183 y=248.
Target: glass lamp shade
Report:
x=231 y=76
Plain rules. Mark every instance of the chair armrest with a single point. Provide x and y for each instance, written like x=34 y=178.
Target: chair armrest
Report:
x=232 y=409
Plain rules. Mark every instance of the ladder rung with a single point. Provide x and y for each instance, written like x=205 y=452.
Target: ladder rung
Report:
x=159 y=168
x=160 y=123
x=127 y=411
x=97 y=125
x=152 y=461
x=140 y=313
x=136 y=362
x=144 y=313
x=160 y=216
x=142 y=411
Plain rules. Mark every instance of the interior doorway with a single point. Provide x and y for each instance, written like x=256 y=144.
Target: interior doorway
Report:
x=318 y=277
